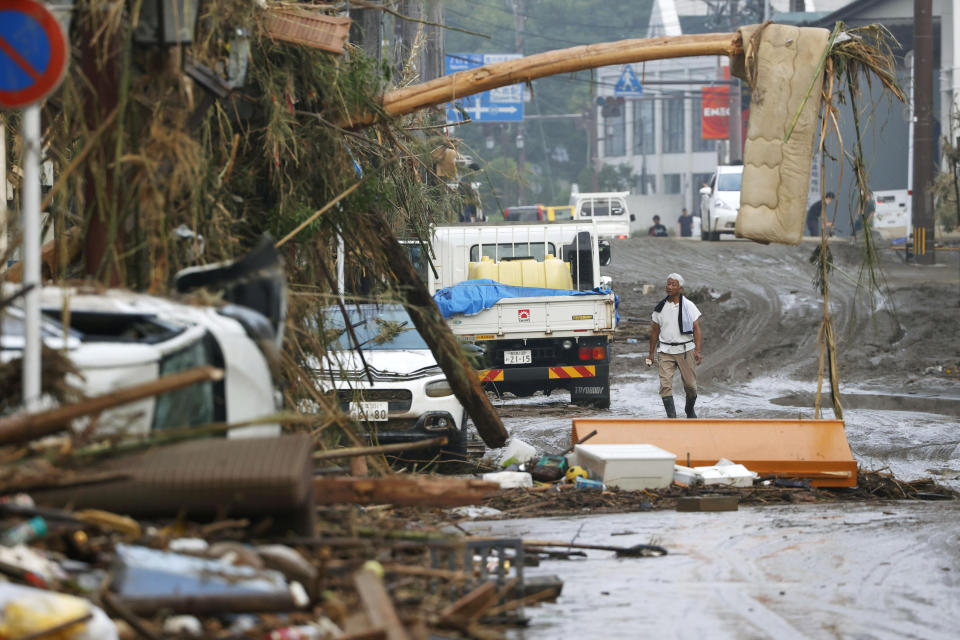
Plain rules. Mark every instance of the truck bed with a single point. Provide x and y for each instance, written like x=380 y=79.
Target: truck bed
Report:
x=538 y=317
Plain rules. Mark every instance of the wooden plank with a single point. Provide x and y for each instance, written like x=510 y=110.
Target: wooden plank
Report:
x=403 y=491
x=32 y=426
x=377 y=604
x=470 y=607
x=708 y=503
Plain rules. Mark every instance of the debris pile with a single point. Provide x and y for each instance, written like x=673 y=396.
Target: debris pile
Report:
x=247 y=573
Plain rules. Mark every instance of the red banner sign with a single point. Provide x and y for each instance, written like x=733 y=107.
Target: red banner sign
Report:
x=715 y=113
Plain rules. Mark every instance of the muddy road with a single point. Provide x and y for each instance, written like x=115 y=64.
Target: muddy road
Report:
x=774 y=571
x=898 y=349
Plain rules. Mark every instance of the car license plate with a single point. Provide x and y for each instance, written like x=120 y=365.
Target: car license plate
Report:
x=517 y=357
x=369 y=411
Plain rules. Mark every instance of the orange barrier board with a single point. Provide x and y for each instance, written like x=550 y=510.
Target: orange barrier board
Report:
x=814 y=449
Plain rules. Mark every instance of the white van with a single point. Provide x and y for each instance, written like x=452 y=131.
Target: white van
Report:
x=608 y=210
x=892 y=217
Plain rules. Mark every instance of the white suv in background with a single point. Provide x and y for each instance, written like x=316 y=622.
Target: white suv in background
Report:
x=720 y=202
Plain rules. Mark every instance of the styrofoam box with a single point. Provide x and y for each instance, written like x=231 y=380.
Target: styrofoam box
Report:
x=628 y=466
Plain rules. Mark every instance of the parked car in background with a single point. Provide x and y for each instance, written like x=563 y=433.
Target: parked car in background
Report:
x=720 y=202
x=559 y=213
x=525 y=213
x=607 y=210
x=396 y=388
x=538 y=213
x=892 y=217
x=118 y=338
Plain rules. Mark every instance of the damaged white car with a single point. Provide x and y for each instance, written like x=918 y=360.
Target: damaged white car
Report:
x=118 y=338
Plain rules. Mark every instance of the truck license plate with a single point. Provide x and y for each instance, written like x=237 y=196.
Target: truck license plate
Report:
x=517 y=357
x=369 y=411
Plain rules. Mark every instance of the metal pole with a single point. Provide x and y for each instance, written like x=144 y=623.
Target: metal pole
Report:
x=519 y=19
x=30 y=253
x=3 y=194
x=923 y=160
x=341 y=261
x=736 y=136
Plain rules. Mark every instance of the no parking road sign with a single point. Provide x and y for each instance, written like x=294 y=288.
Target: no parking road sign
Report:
x=33 y=53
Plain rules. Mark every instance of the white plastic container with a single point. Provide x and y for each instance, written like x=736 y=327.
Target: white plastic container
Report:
x=686 y=476
x=510 y=479
x=628 y=466
x=727 y=474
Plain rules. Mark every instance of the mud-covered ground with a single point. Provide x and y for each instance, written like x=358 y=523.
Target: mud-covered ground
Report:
x=862 y=570
x=898 y=347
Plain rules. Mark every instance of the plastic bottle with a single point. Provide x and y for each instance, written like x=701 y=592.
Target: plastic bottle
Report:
x=24 y=532
x=586 y=483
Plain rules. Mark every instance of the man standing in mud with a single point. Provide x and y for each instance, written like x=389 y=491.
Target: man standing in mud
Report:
x=676 y=327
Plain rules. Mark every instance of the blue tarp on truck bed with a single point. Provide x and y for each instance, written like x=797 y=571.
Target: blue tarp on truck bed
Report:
x=473 y=296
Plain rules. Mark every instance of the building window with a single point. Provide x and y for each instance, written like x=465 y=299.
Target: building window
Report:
x=643 y=132
x=647 y=184
x=673 y=139
x=696 y=126
x=671 y=183
x=615 y=135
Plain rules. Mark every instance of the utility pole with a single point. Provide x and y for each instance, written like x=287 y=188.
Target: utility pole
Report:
x=366 y=29
x=433 y=64
x=594 y=152
x=923 y=160
x=3 y=194
x=519 y=20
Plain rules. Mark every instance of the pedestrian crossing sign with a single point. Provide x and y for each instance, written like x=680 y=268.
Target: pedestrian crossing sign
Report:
x=628 y=85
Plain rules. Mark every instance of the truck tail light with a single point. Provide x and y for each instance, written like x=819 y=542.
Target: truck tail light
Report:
x=593 y=353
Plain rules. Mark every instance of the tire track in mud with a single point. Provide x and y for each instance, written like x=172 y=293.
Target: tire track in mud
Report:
x=750 y=324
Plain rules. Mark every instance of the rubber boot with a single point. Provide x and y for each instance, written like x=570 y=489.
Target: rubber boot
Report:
x=691 y=400
x=668 y=405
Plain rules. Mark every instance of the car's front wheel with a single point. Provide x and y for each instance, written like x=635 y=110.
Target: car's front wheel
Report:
x=456 y=447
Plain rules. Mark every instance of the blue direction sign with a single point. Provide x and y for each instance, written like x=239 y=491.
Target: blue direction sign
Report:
x=33 y=53
x=628 y=86
x=497 y=105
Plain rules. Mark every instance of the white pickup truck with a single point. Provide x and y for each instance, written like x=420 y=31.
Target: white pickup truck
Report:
x=553 y=327
x=607 y=209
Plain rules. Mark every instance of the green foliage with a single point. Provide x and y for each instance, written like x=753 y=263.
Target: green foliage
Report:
x=609 y=178
x=556 y=149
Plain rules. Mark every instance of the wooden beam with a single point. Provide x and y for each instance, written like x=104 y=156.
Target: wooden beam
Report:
x=377 y=604
x=403 y=491
x=31 y=426
x=470 y=607
x=580 y=58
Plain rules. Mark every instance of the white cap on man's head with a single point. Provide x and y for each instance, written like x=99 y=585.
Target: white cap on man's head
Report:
x=677 y=277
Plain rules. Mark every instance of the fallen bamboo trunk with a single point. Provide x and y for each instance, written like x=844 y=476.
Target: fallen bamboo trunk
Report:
x=31 y=426
x=403 y=491
x=473 y=81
